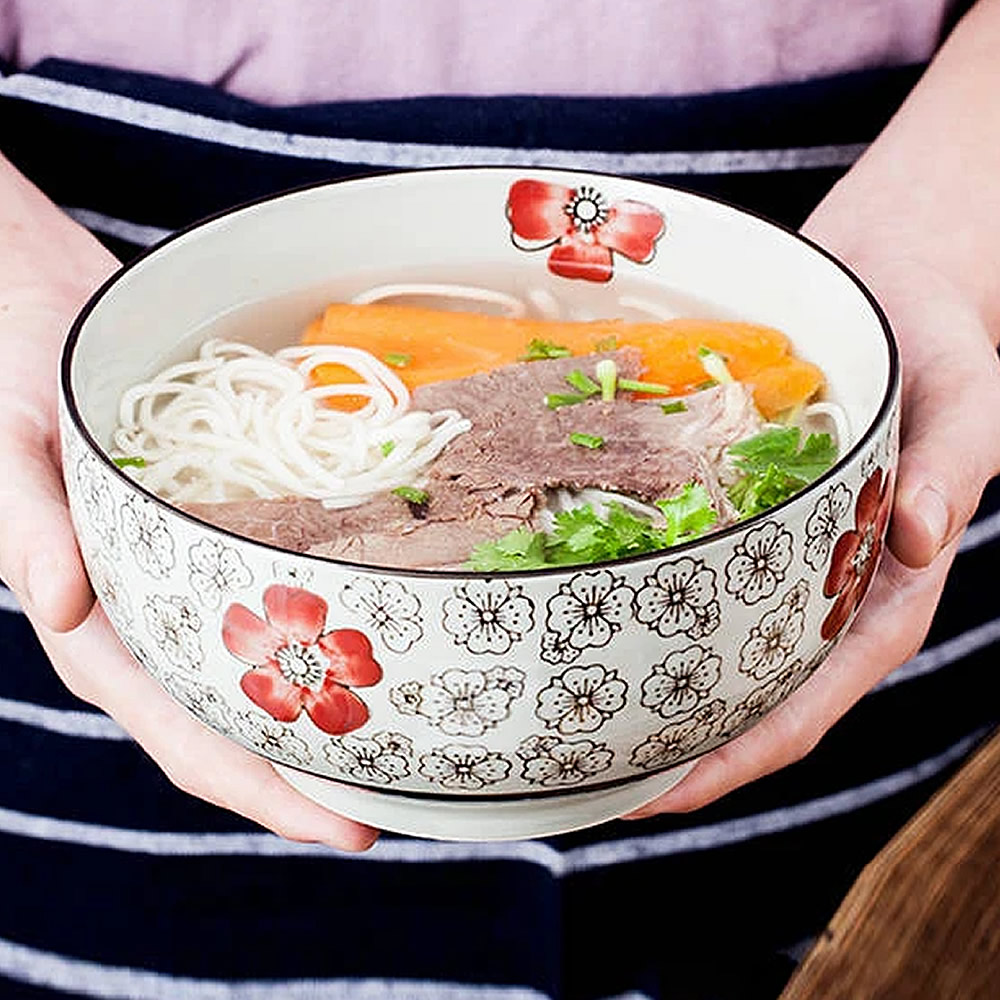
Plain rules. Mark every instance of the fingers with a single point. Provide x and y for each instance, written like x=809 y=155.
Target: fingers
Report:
x=889 y=629
x=196 y=759
x=39 y=558
x=950 y=449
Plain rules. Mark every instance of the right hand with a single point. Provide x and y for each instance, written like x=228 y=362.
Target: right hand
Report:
x=49 y=266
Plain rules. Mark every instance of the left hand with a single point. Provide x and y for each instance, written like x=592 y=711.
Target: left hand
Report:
x=950 y=403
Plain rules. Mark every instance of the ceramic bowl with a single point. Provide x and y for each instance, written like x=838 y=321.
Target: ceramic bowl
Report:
x=509 y=704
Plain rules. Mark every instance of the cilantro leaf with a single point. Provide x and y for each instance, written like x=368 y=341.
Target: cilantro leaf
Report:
x=519 y=549
x=775 y=467
x=581 y=535
x=689 y=514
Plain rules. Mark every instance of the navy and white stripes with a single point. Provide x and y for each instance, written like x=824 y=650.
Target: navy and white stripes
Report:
x=116 y=885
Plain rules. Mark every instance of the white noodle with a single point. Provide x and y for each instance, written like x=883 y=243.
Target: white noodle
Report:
x=511 y=306
x=835 y=415
x=658 y=312
x=239 y=423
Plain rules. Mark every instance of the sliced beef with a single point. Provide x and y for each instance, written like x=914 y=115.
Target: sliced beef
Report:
x=385 y=531
x=517 y=442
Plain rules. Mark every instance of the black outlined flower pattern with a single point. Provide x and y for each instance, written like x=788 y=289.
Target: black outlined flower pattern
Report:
x=581 y=699
x=488 y=616
x=110 y=590
x=555 y=649
x=387 y=607
x=759 y=563
x=823 y=524
x=462 y=702
x=216 y=571
x=201 y=700
x=679 y=599
x=589 y=609
x=677 y=686
x=174 y=625
x=552 y=762
x=291 y=574
x=98 y=502
x=271 y=738
x=772 y=641
x=463 y=768
x=149 y=540
x=675 y=742
x=379 y=759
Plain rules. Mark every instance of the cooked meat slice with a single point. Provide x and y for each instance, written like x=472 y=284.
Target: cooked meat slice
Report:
x=439 y=534
x=517 y=442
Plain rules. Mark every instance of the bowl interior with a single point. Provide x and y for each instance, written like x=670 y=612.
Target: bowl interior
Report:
x=262 y=272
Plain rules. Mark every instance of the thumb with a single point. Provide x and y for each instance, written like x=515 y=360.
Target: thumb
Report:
x=39 y=558
x=950 y=448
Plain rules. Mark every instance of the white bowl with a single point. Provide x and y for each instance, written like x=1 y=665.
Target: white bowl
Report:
x=510 y=704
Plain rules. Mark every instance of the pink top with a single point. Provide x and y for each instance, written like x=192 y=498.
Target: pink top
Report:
x=291 y=51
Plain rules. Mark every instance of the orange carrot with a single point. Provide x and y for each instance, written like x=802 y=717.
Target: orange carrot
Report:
x=429 y=345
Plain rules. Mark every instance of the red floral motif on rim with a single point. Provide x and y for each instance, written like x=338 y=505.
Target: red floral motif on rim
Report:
x=856 y=554
x=296 y=665
x=582 y=229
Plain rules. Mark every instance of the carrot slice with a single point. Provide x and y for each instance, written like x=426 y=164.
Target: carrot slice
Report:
x=437 y=345
x=780 y=387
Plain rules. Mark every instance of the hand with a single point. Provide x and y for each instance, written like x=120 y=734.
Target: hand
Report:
x=951 y=397
x=49 y=266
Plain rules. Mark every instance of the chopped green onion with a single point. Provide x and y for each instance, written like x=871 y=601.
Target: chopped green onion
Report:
x=586 y=440
x=654 y=388
x=539 y=350
x=607 y=374
x=709 y=383
x=137 y=462
x=583 y=383
x=606 y=344
x=556 y=399
x=397 y=360
x=715 y=366
x=411 y=494
x=677 y=406
x=387 y=448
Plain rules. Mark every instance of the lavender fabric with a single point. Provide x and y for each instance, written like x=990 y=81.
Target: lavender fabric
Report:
x=296 y=51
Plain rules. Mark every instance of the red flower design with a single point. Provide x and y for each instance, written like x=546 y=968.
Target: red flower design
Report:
x=856 y=554
x=299 y=666
x=581 y=227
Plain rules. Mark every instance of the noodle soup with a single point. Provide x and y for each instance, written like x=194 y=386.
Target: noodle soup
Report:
x=562 y=564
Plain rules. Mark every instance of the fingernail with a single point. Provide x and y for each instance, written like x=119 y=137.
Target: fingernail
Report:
x=933 y=511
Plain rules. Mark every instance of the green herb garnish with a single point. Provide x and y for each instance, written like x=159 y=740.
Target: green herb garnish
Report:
x=774 y=467
x=607 y=375
x=397 y=360
x=138 y=462
x=386 y=447
x=654 y=388
x=709 y=383
x=583 y=383
x=539 y=350
x=677 y=406
x=411 y=494
x=556 y=399
x=582 y=536
x=689 y=514
x=586 y=440
x=606 y=344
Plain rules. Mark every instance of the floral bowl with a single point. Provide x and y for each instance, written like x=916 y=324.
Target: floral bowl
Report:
x=463 y=705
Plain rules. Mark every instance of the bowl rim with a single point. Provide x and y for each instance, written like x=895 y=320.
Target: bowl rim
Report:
x=371 y=176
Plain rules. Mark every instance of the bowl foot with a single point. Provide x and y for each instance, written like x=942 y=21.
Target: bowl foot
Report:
x=471 y=821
